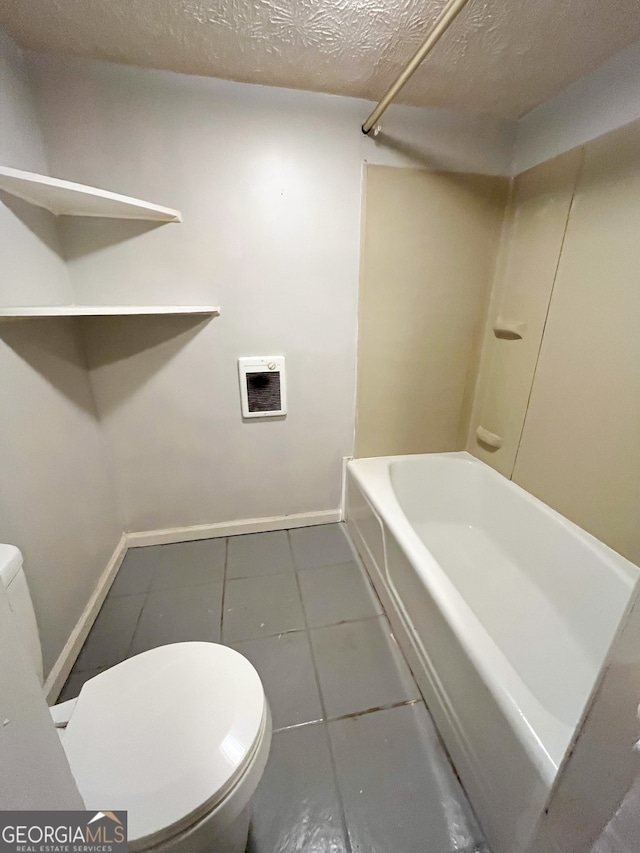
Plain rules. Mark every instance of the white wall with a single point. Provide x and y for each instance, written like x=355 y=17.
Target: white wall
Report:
x=269 y=183
x=56 y=501
x=34 y=271
x=600 y=102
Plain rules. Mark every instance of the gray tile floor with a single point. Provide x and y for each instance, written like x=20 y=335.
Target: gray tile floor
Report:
x=356 y=765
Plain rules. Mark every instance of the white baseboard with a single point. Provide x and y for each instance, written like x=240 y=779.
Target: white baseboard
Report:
x=231 y=528
x=67 y=657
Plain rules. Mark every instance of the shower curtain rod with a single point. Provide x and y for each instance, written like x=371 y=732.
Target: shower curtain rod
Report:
x=442 y=24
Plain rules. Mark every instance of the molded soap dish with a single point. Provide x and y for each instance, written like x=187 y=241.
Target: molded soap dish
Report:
x=490 y=439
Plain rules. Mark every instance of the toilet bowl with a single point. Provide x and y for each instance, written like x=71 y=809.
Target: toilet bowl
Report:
x=177 y=736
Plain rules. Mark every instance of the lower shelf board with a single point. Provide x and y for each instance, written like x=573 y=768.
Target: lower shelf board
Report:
x=33 y=311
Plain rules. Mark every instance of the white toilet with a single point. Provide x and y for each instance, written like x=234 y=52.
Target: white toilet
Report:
x=178 y=736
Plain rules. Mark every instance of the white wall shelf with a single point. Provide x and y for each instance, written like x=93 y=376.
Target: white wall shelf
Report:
x=33 y=311
x=65 y=198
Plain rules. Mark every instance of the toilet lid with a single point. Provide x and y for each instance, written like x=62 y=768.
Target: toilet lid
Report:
x=166 y=734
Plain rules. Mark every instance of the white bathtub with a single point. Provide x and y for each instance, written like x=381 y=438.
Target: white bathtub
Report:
x=506 y=612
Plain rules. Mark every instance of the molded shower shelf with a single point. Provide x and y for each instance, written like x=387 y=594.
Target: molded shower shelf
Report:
x=32 y=311
x=509 y=330
x=65 y=198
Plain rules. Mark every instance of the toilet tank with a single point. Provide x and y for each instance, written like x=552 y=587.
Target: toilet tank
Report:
x=14 y=581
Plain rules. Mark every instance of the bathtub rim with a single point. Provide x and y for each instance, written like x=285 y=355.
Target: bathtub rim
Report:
x=627 y=571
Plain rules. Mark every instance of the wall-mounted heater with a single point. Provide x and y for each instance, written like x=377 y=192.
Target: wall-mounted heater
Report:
x=263 y=387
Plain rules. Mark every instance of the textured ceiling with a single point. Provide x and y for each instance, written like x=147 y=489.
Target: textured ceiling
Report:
x=500 y=56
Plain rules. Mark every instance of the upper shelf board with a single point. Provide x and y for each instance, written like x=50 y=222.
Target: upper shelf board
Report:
x=65 y=198
x=105 y=311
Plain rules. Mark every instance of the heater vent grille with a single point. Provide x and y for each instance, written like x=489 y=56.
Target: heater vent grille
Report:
x=263 y=392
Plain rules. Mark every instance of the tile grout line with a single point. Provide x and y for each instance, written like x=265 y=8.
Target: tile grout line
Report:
x=363 y=568
x=164 y=589
x=98 y=669
x=308 y=633
x=334 y=768
x=138 y=620
x=347 y=622
x=384 y=615
x=334 y=771
x=402 y=704
x=422 y=699
x=224 y=586
x=294 y=726
x=307 y=630
x=328 y=566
